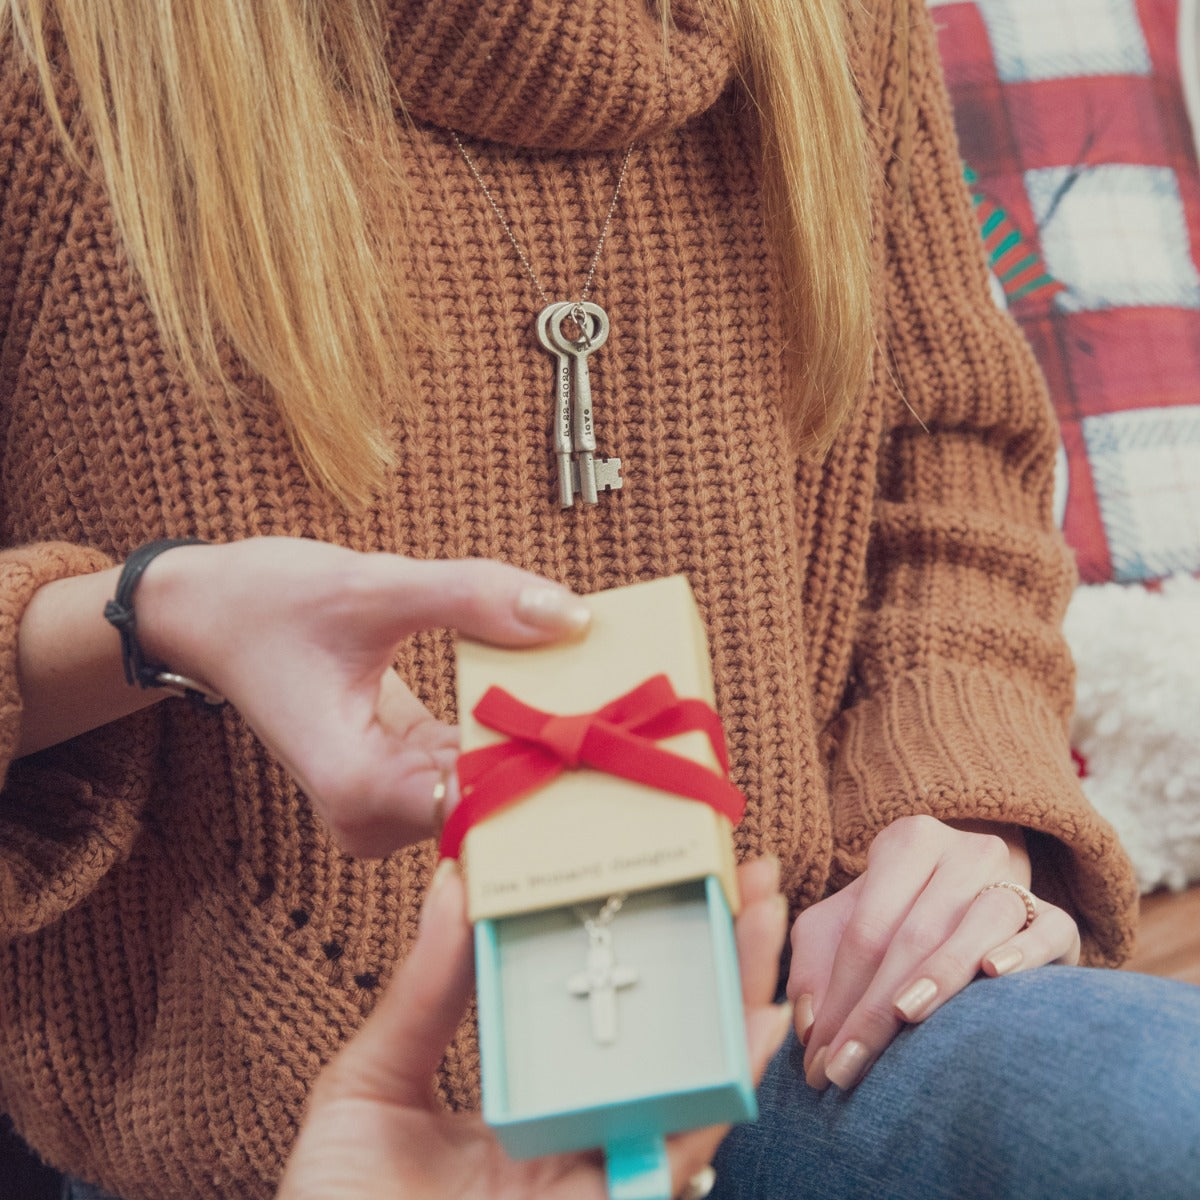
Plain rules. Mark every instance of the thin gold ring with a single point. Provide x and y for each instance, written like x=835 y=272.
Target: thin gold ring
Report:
x=1027 y=898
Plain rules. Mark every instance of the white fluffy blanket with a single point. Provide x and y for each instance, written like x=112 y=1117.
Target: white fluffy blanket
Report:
x=1137 y=720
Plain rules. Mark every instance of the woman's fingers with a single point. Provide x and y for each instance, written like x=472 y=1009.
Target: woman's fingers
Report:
x=905 y=948
x=902 y=860
x=1052 y=938
x=759 y=930
x=992 y=914
x=871 y=1024
x=206 y=609
x=954 y=962
x=758 y=879
x=816 y=934
x=483 y=599
x=378 y=792
x=393 y=1057
x=372 y=777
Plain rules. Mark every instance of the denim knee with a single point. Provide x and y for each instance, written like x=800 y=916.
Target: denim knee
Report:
x=1057 y=1083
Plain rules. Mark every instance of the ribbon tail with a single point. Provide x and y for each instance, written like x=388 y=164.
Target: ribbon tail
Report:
x=687 y=716
x=617 y=752
x=507 y=781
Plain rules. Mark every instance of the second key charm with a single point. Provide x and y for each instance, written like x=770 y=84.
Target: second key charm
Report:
x=562 y=405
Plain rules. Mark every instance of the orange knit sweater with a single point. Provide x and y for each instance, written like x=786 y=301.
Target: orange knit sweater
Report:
x=181 y=946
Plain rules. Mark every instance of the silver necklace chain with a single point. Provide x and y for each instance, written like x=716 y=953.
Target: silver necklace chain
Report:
x=512 y=237
x=604 y=918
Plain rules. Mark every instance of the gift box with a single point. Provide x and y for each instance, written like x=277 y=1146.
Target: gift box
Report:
x=595 y=833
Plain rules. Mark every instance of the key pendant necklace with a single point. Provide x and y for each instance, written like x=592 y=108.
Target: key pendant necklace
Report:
x=603 y=976
x=570 y=330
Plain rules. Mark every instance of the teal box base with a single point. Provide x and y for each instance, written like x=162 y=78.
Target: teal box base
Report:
x=678 y=1059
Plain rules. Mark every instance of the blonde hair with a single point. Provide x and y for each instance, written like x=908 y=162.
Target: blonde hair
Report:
x=794 y=63
x=240 y=146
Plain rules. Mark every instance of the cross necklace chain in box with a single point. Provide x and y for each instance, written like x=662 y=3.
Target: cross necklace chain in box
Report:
x=603 y=976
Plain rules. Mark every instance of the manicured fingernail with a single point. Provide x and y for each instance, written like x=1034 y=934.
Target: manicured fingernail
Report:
x=446 y=870
x=804 y=1018
x=815 y=1075
x=912 y=1003
x=847 y=1065
x=553 y=609
x=1003 y=961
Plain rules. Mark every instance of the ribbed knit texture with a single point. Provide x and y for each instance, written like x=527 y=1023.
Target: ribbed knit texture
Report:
x=181 y=946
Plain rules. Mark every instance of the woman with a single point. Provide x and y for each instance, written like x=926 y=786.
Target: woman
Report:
x=258 y=305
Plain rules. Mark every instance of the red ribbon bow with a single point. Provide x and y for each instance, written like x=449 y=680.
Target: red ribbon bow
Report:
x=617 y=738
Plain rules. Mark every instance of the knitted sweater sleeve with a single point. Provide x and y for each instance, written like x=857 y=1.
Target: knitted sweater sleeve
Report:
x=68 y=813
x=961 y=683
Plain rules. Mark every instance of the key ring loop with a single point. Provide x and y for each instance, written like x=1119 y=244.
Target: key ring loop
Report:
x=591 y=320
x=581 y=318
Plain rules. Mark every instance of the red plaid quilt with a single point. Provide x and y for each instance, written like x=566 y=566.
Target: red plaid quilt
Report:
x=1082 y=160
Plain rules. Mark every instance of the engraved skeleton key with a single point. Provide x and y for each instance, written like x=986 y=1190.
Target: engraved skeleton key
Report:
x=599 y=982
x=593 y=333
x=567 y=476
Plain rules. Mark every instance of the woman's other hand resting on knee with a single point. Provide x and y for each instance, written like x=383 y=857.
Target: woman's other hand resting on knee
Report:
x=934 y=907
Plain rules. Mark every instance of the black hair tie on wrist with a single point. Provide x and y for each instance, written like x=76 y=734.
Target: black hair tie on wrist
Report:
x=119 y=613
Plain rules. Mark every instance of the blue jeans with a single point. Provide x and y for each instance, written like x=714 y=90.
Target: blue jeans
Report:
x=1060 y=1084
x=76 y=1189
x=1057 y=1084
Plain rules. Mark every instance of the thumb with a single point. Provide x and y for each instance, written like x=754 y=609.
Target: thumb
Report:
x=483 y=599
x=393 y=1057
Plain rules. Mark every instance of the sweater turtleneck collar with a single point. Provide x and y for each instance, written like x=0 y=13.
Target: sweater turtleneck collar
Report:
x=552 y=74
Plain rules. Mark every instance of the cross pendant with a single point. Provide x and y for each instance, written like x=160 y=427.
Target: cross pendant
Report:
x=599 y=981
